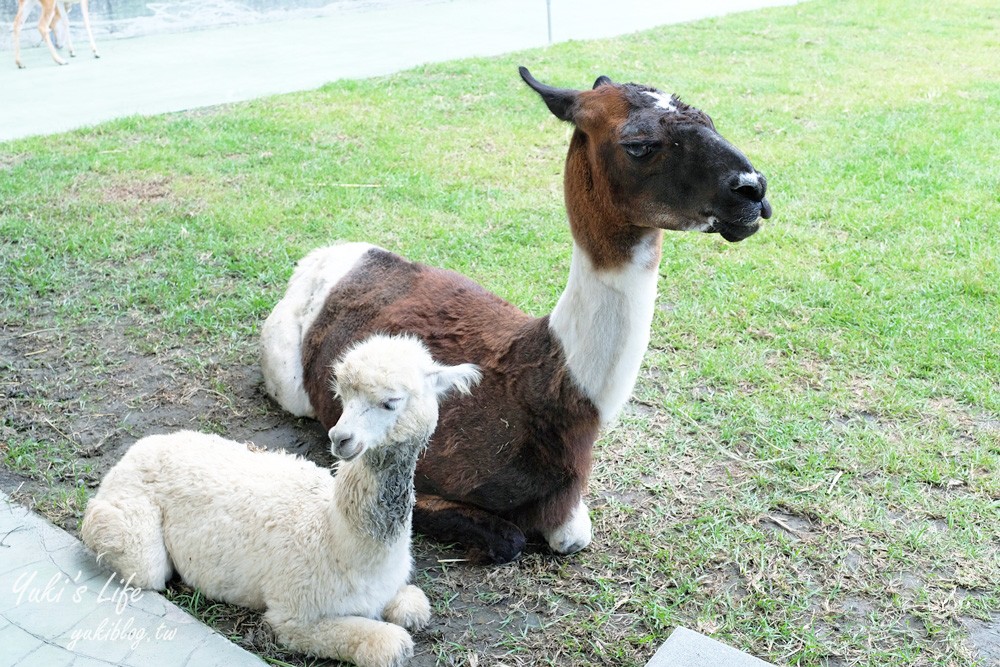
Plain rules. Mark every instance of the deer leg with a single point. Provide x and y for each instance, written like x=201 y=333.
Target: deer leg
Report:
x=19 y=20
x=361 y=641
x=84 y=9
x=486 y=536
x=44 y=23
x=62 y=17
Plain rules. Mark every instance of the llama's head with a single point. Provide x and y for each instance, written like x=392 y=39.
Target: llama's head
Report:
x=643 y=159
x=389 y=387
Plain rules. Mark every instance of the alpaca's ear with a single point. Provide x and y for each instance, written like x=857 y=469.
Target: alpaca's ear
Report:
x=460 y=378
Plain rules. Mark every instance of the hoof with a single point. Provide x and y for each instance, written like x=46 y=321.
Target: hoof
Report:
x=501 y=549
x=571 y=548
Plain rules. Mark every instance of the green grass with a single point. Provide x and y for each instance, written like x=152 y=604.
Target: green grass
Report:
x=811 y=467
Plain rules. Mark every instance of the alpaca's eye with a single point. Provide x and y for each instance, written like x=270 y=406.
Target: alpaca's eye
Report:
x=638 y=149
x=391 y=404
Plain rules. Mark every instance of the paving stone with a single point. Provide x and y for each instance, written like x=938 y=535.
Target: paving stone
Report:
x=47 y=656
x=14 y=549
x=687 y=648
x=207 y=655
x=59 y=607
x=80 y=661
x=15 y=644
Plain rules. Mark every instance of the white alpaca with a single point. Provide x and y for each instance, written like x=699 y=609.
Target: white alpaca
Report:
x=327 y=557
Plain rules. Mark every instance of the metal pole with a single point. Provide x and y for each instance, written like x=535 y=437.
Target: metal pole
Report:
x=548 y=12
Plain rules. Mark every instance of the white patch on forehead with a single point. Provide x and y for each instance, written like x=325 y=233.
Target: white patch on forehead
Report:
x=665 y=102
x=751 y=178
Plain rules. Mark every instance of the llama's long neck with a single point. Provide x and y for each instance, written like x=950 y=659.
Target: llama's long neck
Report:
x=602 y=321
x=375 y=493
x=603 y=317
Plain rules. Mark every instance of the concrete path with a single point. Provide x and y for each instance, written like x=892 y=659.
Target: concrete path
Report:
x=174 y=72
x=58 y=608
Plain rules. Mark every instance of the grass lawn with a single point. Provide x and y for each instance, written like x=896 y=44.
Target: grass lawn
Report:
x=810 y=467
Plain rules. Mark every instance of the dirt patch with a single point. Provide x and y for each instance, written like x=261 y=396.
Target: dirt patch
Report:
x=136 y=191
x=129 y=190
x=90 y=394
x=788 y=524
x=984 y=638
x=8 y=162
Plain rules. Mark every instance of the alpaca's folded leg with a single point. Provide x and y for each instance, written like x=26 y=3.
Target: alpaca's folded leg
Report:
x=130 y=541
x=486 y=536
x=362 y=641
x=409 y=608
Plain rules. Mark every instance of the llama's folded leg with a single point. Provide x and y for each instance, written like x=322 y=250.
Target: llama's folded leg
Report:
x=409 y=608
x=361 y=641
x=486 y=536
x=573 y=534
x=129 y=541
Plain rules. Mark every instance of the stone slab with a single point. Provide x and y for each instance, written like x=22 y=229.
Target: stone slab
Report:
x=59 y=607
x=687 y=648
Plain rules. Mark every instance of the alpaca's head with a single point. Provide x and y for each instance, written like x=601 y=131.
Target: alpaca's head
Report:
x=389 y=387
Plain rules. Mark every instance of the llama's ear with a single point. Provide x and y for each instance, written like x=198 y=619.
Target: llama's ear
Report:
x=560 y=101
x=603 y=81
x=461 y=378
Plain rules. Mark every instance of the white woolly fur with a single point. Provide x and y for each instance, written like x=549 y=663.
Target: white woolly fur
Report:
x=268 y=530
x=282 y=333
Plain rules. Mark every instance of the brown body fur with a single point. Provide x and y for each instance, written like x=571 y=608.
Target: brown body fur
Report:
x=526 y=423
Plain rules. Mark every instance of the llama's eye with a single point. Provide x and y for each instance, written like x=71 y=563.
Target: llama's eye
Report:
x=391 y=404
x=638 y=149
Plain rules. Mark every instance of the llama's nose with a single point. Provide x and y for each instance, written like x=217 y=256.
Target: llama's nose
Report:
x=752 y=185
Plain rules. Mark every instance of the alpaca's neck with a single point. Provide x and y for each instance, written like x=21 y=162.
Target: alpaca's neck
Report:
x=603 y=319
x=375 y=492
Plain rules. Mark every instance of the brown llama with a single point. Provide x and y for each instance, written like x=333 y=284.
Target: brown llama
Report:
x=513 y=458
